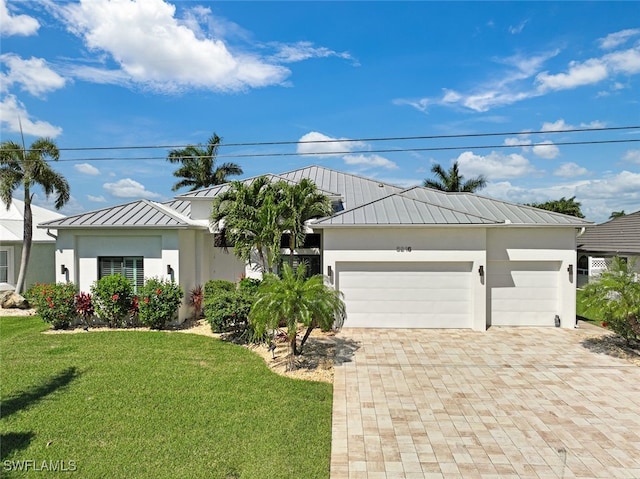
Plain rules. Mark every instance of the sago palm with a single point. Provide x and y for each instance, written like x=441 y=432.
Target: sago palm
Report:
x=293 y=299
x=198 y=166
x=24 y=168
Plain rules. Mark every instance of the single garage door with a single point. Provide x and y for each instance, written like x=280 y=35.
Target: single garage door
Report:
x=523 y=293
x=406 y=295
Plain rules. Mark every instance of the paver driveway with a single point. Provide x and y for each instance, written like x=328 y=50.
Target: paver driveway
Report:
x=509 y=402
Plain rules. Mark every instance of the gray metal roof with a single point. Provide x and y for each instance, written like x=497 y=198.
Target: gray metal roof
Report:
x=399 y=209
x=212 y=192
x=354 y=190
x=142 y=213
x=619 y=235
x=426 y=206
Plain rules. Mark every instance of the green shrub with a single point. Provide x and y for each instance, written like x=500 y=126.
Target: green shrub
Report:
x=54 y=303
x=615 y=297
x=113 y=300
x=249 y=285
x=212 y=287
x=158 y=302
x=227 y=306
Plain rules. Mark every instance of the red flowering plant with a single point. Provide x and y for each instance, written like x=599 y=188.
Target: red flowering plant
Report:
x=160 y=302
x=84 y=307
x=54 y=303
x=113 y=300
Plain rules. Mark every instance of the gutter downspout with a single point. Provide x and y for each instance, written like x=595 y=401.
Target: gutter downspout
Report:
x=49 y=233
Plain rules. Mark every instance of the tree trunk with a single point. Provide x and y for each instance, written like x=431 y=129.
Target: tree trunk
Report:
x=27 y=239
x=306 y=334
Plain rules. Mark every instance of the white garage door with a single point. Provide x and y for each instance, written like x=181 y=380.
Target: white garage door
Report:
x=406 y=295
x=523 y=293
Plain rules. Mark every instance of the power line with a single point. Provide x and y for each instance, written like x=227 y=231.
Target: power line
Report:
x=356 y=152
x=357 y=140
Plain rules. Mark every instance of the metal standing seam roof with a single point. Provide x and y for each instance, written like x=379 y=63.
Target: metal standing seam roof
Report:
x=619 y=235
x=424 y=206
x=142 y=213
x=212 y=192
x=398 y=209
x=354 y=190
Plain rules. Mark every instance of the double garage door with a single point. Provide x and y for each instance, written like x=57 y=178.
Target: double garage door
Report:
x=406 y=295
x=439 y=294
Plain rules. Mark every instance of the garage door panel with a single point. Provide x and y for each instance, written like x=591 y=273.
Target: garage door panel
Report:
x=523 y=293
x=410 y=307
x=403 y=294
x=407 y=295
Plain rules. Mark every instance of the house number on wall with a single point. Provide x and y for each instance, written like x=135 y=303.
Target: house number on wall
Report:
x=403 y=249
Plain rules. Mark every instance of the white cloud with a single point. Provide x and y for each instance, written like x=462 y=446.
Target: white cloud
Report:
x=518 y=141
x=16 y=24
x=97 y=199
x=546 y=150
x=618 y=38
x=300 y=51
x=524 y=79
x=322 y=145
x=632 y=156
x=514 y=30
x=558 y=125
x=128 y=188
x=627 y=61
x=33 y=75
x=599 y=197
x=570 y=170
x=148 y=42
x=370 y=161
x=586 y=73
x=495 y=165
x=87 y=169
x=12 y=113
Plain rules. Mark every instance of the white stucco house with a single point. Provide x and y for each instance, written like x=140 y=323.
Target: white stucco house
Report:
x=42 y=258
x=403 y=257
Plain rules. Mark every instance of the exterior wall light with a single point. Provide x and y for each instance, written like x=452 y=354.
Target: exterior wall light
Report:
x=169 y=269
x=481 y=271
x=63 y=269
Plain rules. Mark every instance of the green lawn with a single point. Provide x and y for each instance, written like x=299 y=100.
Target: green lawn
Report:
x=133 y=404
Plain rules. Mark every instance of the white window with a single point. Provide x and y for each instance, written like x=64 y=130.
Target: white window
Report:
x=131 y=267
x=6 y=265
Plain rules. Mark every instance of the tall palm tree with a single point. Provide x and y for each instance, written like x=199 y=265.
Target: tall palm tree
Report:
x=295 y=299
x=452 y=180
x=303 y=201
x=28 y=168
x=198 y=166
x=250 y=217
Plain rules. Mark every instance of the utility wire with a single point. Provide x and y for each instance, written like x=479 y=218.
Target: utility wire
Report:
x=356 y=152
x=355 y=140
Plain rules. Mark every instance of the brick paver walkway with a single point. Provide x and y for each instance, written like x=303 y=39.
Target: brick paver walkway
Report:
x=506 y=403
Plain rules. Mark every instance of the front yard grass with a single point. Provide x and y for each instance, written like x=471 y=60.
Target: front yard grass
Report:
x=142 y=404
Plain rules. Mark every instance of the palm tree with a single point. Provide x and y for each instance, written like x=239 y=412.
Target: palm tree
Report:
x=452 y=180
x=250 y=217
x=28 y=168
x=303 y=201
x=566 y=206
x=198 y=166
x=294 y=299
x=616 y=214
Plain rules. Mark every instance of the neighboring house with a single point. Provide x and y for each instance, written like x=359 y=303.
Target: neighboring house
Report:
x=42 y=259
x=403 y=257
x=601 y=243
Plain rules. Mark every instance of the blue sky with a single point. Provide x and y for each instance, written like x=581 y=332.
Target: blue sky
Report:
x=154 y=73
